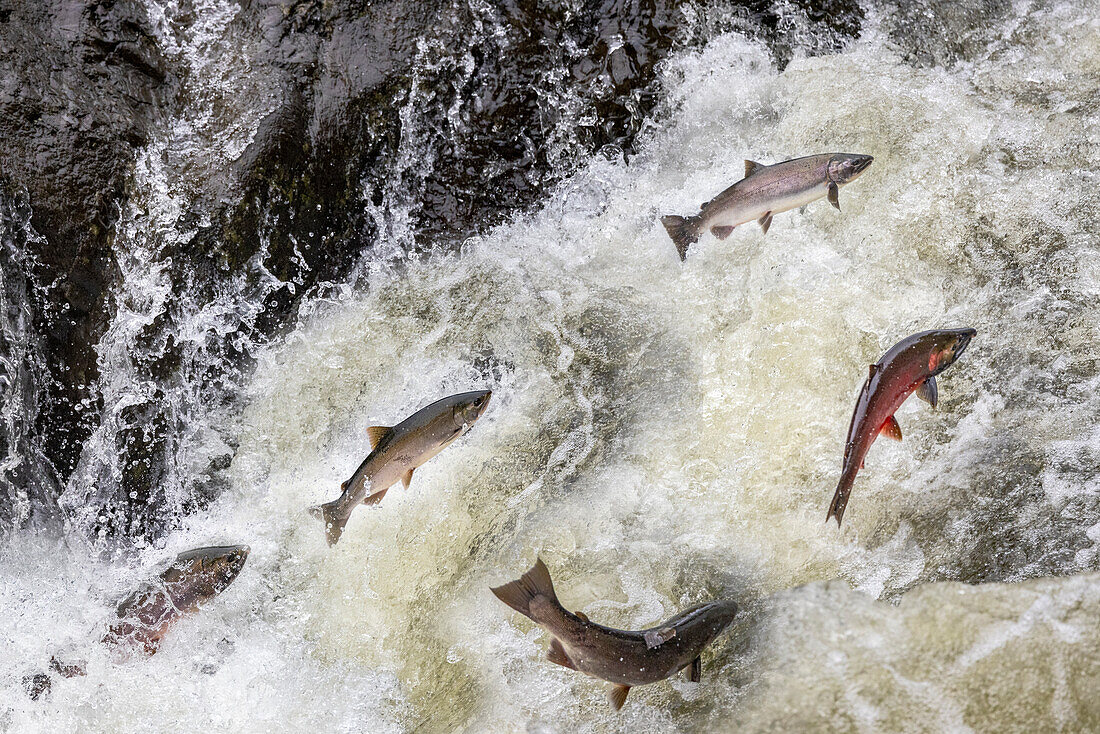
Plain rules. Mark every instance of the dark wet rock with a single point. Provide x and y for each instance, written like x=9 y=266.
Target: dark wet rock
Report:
x=79 y=85
x=393 y=127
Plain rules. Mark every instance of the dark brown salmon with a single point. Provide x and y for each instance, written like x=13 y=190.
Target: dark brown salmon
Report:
x=909 y=366
x=145 y=616
x=621 y=657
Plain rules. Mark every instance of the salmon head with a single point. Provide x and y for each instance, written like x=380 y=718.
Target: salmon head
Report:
x=944 y=346
x=469 y=406
x=198 y=575
x=846 y=167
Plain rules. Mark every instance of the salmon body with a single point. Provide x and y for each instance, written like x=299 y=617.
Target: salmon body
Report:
x=396 y=452
x=909 y=366
x=624 y=658
x=768 y=190
x=145 y=616
x=195 y=578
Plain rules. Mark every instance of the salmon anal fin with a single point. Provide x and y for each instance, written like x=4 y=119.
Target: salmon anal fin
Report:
x=408 y=477
x=721 y=232
x=656 y=637
x=891 y=429
x=928 y=392
x=765 y=221
x=376 y=434
x=374 y=499
x=696 y=672
x=834 y=195
x=751 y=167
x=617 y=696
x=556 y=654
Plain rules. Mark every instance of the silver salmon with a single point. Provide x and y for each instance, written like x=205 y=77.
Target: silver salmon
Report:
x=768 y=190
x=396 y=452
x=621 y=657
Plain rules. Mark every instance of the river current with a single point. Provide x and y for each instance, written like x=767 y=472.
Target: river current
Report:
x=664 y=433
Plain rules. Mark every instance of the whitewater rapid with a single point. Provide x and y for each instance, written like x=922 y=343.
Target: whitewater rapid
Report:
x=661 y=434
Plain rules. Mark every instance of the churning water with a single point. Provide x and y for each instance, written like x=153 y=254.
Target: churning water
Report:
x=661 y=434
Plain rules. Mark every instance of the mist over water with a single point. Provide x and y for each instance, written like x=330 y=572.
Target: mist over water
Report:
x=662 y=434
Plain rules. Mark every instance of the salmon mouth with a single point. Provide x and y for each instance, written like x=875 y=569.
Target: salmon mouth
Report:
x=963 y=341
x=861 y=164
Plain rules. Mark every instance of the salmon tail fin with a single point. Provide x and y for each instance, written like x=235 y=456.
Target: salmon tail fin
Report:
x=683 y=231
x=37 y=685
x=840 y=501
x=518 y=594
x=334 y=522
x=69 y=670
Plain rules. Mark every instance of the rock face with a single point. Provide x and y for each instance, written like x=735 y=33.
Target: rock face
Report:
x=294 y=140
x=80 y=84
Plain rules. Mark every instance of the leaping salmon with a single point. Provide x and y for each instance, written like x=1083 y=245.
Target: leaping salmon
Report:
x=396 y=452
x=623 y=658
x=766 y=191
x=909 y=366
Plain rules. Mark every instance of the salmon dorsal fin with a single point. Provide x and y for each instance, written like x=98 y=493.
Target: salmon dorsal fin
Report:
x=871 y=370
x=752 y=167
x=654 y=638
x=377 y=433
x=556 y=654
x=581 y=616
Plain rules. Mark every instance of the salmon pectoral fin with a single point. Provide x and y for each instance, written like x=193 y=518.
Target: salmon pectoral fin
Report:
x=407 y=478
x=928 y=392
x=891 y=429
x=518 y=594
x=834 y=195
x=765 y=221
x=657 y=637
x=376 y=434
x=556 y=654
x=696 y=672
x=721 y=232
x=617 y=696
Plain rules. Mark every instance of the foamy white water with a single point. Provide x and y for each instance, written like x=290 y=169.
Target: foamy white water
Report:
x=663 y=433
